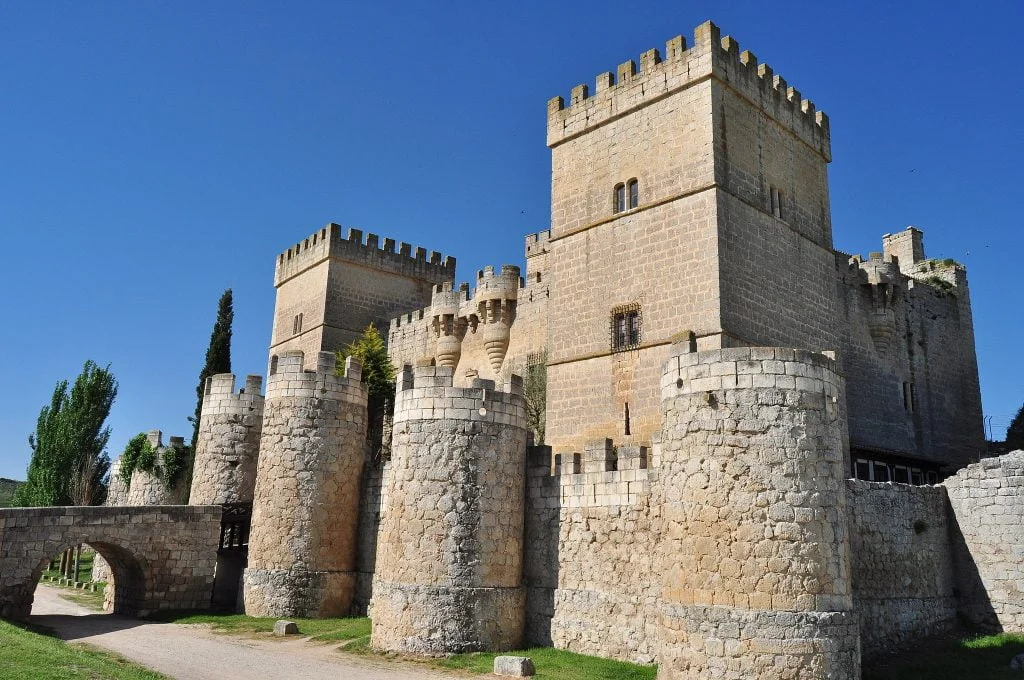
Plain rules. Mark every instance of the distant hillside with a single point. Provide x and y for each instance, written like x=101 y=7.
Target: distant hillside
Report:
x=7 y=489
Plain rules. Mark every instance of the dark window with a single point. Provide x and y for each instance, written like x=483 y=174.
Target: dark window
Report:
x=619 y=199
x=901 y=475
x=932 y=477
x=634 y=193
x=916 y=476
x=881 y=472
x=625 y=328
x=863 y=470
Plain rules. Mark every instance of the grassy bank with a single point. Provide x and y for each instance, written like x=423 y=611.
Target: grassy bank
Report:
x=552 y=664
x=978 y=658
x=28 y=655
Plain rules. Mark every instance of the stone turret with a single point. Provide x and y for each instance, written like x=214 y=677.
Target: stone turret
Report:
x=449 y=553
x=148 y=486
x=228 y=444
x=496 y=297
x=755 y=571
x=302 y=548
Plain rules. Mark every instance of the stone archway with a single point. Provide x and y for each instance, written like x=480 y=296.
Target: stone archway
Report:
x=162 y=557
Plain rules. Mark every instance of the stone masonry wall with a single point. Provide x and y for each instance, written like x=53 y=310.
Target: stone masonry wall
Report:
x=449 y=554
x=591 y=535
x=161 y=558
x=228 y=445
x=987 y=501
x=755 y=556
x=903 y=586
x=302 y=548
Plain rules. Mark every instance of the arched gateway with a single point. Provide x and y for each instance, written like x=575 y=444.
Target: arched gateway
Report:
x=162 y=557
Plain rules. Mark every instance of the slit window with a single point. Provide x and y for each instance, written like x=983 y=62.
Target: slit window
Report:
x=625 y=328
x=776 y=201
x=619 y=198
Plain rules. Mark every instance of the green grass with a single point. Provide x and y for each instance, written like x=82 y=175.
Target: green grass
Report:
x=556 y=664
x=28 y=655
x=84 y=567
x=86 y=598
x=355 y=630
x=978 y=658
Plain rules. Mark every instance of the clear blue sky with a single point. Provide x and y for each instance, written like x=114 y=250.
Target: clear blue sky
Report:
x=153 y=154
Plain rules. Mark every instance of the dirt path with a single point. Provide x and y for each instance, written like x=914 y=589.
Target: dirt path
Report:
x=196 y=653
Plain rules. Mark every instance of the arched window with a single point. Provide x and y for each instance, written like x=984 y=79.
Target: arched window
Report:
x=619 y=198
x=633 y=188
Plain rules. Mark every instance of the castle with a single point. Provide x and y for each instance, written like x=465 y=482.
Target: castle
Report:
x=758 y=456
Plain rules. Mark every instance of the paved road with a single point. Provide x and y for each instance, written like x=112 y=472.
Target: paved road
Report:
x=196 y=653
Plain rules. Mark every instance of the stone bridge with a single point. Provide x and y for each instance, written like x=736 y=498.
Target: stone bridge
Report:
x=161 y=557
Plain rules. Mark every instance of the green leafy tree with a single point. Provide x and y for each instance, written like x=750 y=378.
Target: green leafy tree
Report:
x=218 y=354
x=379 y=376
x=168 y=464
x=535 y=393
x=69 y=460
x=1015 y=433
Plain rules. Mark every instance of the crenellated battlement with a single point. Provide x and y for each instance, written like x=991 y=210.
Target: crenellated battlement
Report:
x=426 y=393
x=505 y=284
x=538 y=244
x=329 y=242
x=711 y=56
x=288 y=378
x=490 y=285
x=219 y=397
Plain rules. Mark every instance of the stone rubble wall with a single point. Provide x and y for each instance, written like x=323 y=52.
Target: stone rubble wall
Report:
x=754 y=557
x=227 y=448
x=903 y=585
x=449 y=554
x=302 y=547
x=161 y=557
x=987 y=500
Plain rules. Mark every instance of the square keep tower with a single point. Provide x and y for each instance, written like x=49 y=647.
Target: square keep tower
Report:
x=689 y=194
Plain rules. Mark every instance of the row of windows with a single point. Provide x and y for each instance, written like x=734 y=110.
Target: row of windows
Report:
x=626 y=196
x=881 y=471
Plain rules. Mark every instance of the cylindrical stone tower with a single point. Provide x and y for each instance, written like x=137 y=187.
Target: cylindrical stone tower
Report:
x=302 y=548
x=755 y=567
x=228 y=444
x=449 y=553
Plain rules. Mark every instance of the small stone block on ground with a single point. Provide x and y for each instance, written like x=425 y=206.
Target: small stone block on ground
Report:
x=285 y=628
x=514 y=666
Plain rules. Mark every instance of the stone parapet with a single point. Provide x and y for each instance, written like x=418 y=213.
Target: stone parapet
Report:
x=302 y=549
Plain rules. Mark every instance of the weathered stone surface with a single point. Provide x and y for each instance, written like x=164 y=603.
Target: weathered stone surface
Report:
x=160 y=557
x=228 y=444
x=286 y=628
x=302 y=548
x=987 y=500
x=514 y=666
x=449 y=555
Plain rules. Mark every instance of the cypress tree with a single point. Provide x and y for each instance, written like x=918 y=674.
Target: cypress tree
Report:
x=218 y=355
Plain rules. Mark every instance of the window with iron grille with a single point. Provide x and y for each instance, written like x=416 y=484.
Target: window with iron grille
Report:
x=625 y=328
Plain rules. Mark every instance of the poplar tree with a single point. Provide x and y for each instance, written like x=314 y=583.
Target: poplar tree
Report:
x=218 y=355
x=69 y=460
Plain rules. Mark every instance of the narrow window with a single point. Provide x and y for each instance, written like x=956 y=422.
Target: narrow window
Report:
x=625 y=328
x=626 y=417
x=297 y=324
x=619 y=199
x=908 y=397
x=776 y=201
x=634 y=193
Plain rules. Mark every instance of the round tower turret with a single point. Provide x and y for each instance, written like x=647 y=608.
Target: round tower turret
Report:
x=449 y=553
x=302 y=546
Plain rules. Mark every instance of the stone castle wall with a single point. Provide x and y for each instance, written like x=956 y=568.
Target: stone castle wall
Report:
x=987 y=500
x=449 y=554
x=302 y=547
x=147 y=487
x=903 y=585
x=228 y=445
